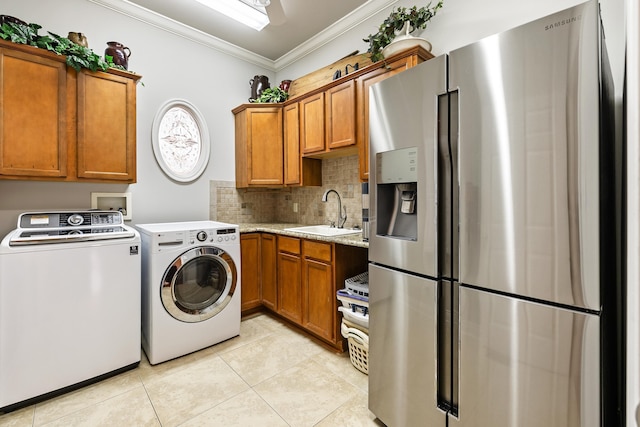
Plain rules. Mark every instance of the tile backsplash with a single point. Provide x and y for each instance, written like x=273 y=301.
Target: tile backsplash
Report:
x=237 y=206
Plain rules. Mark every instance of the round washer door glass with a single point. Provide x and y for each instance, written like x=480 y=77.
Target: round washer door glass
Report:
x=199 y=284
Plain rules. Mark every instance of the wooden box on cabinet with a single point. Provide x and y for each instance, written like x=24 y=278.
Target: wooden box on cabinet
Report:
x=259 y=146
x=57 y=125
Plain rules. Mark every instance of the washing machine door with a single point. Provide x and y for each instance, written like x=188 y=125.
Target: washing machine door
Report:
x=199 y=284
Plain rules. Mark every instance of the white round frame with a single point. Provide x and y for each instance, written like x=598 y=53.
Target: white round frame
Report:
x=184 y=118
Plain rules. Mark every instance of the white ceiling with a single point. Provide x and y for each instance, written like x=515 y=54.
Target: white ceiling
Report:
x=309 y=24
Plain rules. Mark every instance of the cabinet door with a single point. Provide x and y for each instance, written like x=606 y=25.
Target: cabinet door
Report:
x=106 y=127
x=364 y=82
x=291 y=145
x=319 y=298
x=312 y=124
x=340 y=113
x=35 y=115
x=265 y=141
x=250 y=271
x=268 y=268
x=259 y=148
x=289 y=284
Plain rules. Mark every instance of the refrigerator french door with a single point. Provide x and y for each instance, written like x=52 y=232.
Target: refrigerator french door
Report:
x=494 y=294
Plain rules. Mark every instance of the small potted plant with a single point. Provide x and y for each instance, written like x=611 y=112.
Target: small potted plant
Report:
x=272 y=94
x=416 y=18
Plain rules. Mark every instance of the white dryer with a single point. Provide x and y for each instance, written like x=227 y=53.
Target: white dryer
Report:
x=190 y=287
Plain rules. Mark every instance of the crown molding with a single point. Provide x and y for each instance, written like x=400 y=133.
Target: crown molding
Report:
x=340 y=27
x=172 y=26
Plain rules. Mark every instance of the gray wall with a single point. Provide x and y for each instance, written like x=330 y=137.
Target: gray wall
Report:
x=461 y=22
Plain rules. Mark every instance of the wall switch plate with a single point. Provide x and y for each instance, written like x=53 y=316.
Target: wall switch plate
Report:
x=113 y=202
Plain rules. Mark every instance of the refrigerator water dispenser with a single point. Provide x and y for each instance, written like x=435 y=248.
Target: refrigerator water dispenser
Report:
x=397 y=189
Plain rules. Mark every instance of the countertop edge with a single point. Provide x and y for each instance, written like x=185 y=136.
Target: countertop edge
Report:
x=278 y=228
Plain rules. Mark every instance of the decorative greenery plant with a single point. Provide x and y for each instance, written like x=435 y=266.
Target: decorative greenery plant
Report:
x=417 y=18
x=77 y=56
x=272 y=94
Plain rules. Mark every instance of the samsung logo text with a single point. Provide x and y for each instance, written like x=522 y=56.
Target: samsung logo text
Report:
x=562 y=23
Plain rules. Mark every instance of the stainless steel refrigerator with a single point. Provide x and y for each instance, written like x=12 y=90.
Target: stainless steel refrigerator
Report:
x=494 y=248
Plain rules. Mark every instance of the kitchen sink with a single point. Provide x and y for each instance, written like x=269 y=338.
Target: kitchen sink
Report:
x=325 y=230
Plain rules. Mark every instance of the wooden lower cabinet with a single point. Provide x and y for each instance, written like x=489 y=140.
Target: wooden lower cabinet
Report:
x=319 y=296
x=298 y=279
x=289 y=279
x=250 y=271
x=268 y=259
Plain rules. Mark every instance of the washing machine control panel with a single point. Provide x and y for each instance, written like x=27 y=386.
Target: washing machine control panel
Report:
x=218 y=235
x=226 y=235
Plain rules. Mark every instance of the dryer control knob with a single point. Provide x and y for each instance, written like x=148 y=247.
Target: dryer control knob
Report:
x=201 y=236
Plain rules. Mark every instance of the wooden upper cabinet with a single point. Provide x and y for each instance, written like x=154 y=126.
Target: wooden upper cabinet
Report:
x=34 y=115
x=106 y=127
x=340 y=111
x=259 y=146
x=312 y=123
x=328 y=119
x=298 y=170
x=403 y=62
x=57 y=124
x=291 y=145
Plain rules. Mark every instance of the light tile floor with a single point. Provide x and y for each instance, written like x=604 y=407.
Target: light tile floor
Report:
x=271 y=375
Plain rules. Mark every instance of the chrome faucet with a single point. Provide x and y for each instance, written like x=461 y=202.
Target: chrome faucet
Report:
x=341 y=218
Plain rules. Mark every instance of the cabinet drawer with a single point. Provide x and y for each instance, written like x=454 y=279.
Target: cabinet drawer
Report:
x=289 y=244
x=317 y=250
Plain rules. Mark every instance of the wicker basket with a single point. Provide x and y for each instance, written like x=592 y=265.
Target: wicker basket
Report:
x=358 y=347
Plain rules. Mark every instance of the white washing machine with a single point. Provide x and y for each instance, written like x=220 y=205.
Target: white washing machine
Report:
x=69 y=303
x=190 y=287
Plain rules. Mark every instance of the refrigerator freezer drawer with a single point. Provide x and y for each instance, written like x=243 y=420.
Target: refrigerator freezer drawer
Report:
x=402 y=348
x=525 y=364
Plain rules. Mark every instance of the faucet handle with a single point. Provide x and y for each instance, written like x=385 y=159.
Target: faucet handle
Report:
x=332 y=224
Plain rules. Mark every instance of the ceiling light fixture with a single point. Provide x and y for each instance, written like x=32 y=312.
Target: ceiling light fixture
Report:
x=239 y=11
x=261 y=3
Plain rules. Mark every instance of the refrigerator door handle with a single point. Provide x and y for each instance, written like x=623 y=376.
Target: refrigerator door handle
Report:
x=447 y=366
